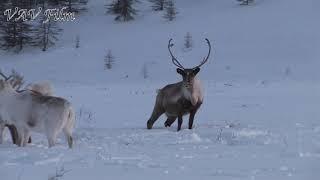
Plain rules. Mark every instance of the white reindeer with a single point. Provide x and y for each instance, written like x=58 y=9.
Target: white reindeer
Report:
x=29 y=111
x=16 y=81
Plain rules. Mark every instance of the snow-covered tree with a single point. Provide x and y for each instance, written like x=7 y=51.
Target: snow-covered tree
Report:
x=46 y=33
x=77 y=42
x=109 y=60
x=145 y=72
x=76 y=6
x=188 y=41
x=14 y=34
x=114 y=7
x=158 y=5
x=245 y=2
x=170 y=13
x=123 y=9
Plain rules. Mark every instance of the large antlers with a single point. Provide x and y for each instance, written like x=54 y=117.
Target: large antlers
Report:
x=174 y=60
x=179 y=65
x=6 y=78
x=15 y=79
x=206 y=58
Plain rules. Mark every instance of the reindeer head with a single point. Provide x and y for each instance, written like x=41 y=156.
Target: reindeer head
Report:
x=14 y=81
x=188 y=74
x=5 y=85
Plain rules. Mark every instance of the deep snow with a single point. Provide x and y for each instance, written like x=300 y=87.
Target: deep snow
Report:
x=259 y=120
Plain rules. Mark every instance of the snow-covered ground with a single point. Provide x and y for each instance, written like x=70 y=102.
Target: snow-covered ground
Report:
x=260 y=118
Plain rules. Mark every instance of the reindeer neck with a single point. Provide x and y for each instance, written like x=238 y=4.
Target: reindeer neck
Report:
x=193 y=94
x=196 y=84
x=186 y=92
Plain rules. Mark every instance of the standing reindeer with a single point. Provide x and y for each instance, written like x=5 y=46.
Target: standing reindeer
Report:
x=179 y=99
x=35 y=112
x=16 y=81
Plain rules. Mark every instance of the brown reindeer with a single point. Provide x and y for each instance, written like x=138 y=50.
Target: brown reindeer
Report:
x=182 y=98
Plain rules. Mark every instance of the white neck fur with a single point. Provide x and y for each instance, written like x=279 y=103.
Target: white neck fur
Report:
x=197 y=92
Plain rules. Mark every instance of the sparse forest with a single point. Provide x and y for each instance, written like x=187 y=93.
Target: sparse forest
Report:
x=17 y=33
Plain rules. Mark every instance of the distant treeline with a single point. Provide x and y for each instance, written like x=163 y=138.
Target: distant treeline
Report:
x=19 y=28
x=25 y=23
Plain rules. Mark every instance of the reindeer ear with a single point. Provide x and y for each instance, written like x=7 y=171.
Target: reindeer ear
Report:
x=180 y=71
x=196 y=70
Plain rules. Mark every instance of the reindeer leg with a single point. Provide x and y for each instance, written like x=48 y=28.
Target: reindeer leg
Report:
x=169 y=121
x=26 y=137
x=2 y=126
x=157 y=112
x=179 y=122
x=68 y=133
x=192 y=114
x=52 y=137
x=154 y=117
x=30 y=140
x=191 y=118
x=14 y=133
x=51 y=142
x=21 y=137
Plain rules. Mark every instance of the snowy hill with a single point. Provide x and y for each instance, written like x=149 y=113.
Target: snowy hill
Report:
x=259 y=120
x=263 y=39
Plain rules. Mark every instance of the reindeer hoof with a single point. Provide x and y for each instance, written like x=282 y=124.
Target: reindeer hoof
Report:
x=149 y=125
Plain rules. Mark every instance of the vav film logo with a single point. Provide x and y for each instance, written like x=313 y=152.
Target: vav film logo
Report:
x=55 y=14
